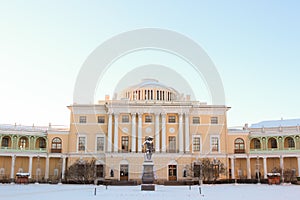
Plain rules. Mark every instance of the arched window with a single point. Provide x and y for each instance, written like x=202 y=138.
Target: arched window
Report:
x=272 y=143
x=289 y=142
x=40 y=143
x=23 y=143
x=255 y=144
x=239 y=146
x=5 y=142
x=56 y=145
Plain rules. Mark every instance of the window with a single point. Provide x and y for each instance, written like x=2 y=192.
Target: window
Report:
x=101 y=119
x=82 y=119
x=125 y=118
x=172 y=172
x=56 y=144
x=196 y=120
x=81 y=144
x=172 y=144
x=42 y=143
x=100 y=143
x=214 y=141
x=172 y=119
x=196 y=144
x=5 y=142
x=23 y=143
x=125 y=143
x=272 y=143
x=148 y=119
x=214 y=120
x=239 y=146
x=256 y=143
x=289 y=142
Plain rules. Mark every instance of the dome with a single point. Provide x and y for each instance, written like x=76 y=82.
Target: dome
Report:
x=150 y=89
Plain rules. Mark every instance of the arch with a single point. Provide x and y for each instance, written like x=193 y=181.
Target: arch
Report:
x=56 y=145
x=289 y=142
x=40 y=143
x=6 y=142
x=272 y=143
x=124 y=162
x=255 y=143
x=239 y=145
x=23 y=142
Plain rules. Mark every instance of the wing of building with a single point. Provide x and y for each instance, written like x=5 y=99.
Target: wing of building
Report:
x=186 y=133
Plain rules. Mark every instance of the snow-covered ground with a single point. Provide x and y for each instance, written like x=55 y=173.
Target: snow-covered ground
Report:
x=210 y=192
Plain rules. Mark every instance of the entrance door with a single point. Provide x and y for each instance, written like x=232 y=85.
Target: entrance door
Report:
x=99 y=171
x=123 y=172
x=172 y=173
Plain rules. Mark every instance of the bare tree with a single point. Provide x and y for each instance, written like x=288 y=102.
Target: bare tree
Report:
x=81 y=171
x=208 y=170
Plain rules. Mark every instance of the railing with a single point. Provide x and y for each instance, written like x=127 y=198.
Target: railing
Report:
x=55 y=150
x=239 y=151
x=9 y=149
x=276 y=150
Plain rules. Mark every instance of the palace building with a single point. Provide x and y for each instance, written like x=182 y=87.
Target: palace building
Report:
x=112 y=131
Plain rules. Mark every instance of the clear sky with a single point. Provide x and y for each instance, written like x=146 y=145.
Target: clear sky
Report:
x=255 y=46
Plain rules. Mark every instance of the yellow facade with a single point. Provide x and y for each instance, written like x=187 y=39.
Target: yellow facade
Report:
x=111 y=133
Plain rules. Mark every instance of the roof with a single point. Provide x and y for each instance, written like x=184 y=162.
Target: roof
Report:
x=276 y=123
x=151 y=83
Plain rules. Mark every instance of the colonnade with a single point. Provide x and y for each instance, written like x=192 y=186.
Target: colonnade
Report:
x=136 y=132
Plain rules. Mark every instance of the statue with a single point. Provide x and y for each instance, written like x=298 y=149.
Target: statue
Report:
x=149 y=147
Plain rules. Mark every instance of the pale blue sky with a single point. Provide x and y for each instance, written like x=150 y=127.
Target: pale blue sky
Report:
x=255 y=46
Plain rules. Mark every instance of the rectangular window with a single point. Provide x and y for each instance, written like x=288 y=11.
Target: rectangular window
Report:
x=172 y=144
x=148 y=119
x=125 y=143
x=214 y=120
x=100 y=143
x=196 y=144
x=214 y=142
x=82 y=119
x=81 y=144
x=172 y=119
x=196 y=120
x=101 y=119
x=125 y=118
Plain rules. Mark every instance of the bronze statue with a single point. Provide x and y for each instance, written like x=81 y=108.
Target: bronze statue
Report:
x=149 y=147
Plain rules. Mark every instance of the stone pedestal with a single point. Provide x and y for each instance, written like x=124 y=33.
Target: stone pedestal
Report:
x=148 y=176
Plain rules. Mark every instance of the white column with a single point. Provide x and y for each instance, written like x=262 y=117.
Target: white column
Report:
x=12 y=170
x=265 y=167
x=281 y=163
x=30 y=167
x=47 y=168
x=157 y=138
x=109 y=139
x=140 y=136
x=133 y=132
x=298 y=159
x=63 y=167
x=187 y=133
x=163 y=133
x=248 y=168
x=180 y=133
x=232 y=168
x=116 y=133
